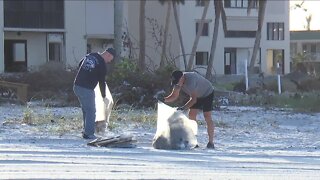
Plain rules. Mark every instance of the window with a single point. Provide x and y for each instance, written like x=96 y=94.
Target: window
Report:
x=19 y=52
x=230 y=61
x=244 y=34
x=239 y=4
x=15 y=55
x=34 y=14
x=202 y=58
x=55 y=45
x=200 y=2
x=275 y=31
x=205 y=30
x=55 y=52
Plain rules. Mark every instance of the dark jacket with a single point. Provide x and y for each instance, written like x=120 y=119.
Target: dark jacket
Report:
x=92 y=69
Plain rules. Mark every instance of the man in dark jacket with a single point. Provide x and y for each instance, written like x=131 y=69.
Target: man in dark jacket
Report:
x=91 y=72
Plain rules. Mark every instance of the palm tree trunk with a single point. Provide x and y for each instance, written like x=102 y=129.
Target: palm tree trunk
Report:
x=195 y=43
x=262 y=8
x=165 y=36
x=179 y=33
x=142 y=36
x=217 y=9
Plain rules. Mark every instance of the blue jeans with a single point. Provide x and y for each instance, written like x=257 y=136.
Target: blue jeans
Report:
x=87 y=100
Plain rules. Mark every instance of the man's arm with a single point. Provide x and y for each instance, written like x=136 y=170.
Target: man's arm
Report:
x=174 y=94
x=102 y=81
x=191 y=102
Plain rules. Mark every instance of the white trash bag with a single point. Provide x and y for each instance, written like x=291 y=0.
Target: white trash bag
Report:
x=174 y=129
x=103 y=109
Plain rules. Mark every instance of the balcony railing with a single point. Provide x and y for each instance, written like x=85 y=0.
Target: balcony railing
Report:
x=307 y=56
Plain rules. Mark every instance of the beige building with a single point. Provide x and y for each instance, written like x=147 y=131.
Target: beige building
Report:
x=305 y=44
x=80 y=26
x=236 y=47
x=233 y=49
x=33 y=33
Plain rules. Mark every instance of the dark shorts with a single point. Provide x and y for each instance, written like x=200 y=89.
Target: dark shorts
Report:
x=204 y=103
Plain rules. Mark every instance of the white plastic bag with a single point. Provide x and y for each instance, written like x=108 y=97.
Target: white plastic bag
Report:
x=174 y=129
x=103 y=108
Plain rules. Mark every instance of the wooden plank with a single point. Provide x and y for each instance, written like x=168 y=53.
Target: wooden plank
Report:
x=21 y=89
x=116 y=141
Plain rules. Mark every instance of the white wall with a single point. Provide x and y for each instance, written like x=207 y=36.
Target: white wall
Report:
x=36 y=47
x=278 y=11
x=189 y=15
x=1 y=39
x=76 y=44
x=154 y=10
x=99 y=17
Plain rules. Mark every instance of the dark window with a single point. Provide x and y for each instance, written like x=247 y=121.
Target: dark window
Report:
x=55 y=52
x=205 y=30
x=230 y=61
x=15 y=55
x=275 y=31
x=200 y=2
x=34 y=14
x=202 y=58
x=244 y=34
x=239 y=4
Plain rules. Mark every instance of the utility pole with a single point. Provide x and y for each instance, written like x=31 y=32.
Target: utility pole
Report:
x=118 y=28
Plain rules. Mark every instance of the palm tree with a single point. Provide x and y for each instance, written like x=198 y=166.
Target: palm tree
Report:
x=219 y=12
x=174 y=5
x=195 y=43
x=218 y=7
x=118 y=20
x=165 y=35
x=142 y=36
x=262 y=8
x=308 y=19
x=175 y=12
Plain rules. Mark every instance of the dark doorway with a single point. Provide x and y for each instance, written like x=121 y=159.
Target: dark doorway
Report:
x=15 y=55
x=278 y=57
x=230 y=61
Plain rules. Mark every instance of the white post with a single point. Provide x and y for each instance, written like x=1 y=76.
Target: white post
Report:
x=279 y=81
x=246 y=74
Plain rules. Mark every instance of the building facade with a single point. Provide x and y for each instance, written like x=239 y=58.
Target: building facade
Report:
x=234 y=48
x=36 y=32
x=305 y=44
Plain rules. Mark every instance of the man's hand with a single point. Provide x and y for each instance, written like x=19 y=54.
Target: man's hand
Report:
x=106 y=101
x=160 y=98
x=182 y=108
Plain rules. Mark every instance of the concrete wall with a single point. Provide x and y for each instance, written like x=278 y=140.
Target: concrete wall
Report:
x=1 y=39
x=154 y=10
x=75 y=39
x=99 y=18
x=90 y=21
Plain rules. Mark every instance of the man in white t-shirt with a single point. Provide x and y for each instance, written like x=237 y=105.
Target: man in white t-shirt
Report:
x=201 y=94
